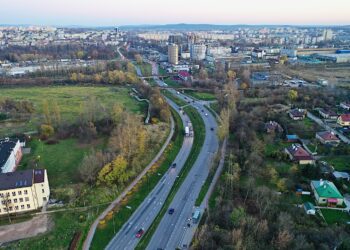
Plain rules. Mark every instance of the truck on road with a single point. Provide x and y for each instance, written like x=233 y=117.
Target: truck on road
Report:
x=196 y=216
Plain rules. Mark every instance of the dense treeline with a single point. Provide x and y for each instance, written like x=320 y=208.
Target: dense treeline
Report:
x=55 y=52
x=248 y=212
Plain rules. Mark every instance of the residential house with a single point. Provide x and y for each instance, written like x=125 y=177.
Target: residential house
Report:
x=341 y=175
x=23 y=191
x=309 y=208
x=298 y=154
x=328 y=114
x=297 y=114
x=273 y=126
x=10 y=154
x=327 y=137
x=326 y=193
x=184 y=75
x=345 y=105
x=344 y=120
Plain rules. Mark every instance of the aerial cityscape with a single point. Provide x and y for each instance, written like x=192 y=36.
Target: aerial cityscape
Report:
x=174 y=125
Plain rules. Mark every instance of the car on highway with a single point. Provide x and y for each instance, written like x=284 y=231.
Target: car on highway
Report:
x=173 y=165
x=171 y=211
x=212 y=129
x=206 y=114
x=140 y=233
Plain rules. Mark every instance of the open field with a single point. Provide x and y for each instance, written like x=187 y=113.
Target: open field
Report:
x=340 y=163
x=335 y=75
x=61 y=160
x=335 y=216
x=70 y=101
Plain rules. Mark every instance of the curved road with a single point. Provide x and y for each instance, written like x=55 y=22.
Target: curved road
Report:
x=148 y=210
x=173 y=231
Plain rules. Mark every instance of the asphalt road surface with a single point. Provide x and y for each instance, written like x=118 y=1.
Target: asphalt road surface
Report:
x=173 y=229
x=148 y=210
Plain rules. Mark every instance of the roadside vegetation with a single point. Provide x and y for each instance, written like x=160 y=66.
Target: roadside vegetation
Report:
x=206 y=96
x=199 y=136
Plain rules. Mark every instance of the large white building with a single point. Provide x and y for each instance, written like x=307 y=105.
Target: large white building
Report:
x=10 y=154
x=23 y=191
x=198 y=52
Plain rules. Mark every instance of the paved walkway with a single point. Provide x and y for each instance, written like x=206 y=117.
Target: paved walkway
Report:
x=92 y=230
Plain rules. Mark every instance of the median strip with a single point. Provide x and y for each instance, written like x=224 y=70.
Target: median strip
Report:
x=199 y=137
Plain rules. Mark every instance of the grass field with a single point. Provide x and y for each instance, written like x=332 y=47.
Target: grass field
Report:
x=335 y=216
x=175 y=99
x=171 y=82
x=146 y=69
x=201 y=95
x=61 y=160
x=340 y=163
x=199 y=128
x=104 y=234
x=70 y=100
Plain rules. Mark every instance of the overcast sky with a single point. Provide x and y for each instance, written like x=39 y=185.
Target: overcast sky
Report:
x=121 y=12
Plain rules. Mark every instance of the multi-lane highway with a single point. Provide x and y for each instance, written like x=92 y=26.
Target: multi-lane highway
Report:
x=174 y=229
x=148 y=210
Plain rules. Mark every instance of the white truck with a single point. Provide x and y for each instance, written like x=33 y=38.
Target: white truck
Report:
x=187 y=131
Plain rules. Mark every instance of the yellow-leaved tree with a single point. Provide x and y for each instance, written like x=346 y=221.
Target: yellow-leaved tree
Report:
x=114 y=172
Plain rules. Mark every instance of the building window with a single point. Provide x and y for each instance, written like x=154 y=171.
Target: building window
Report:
x=22 y=206
x=28 y=206
x=19 y=192
x=2 y=195
x=13 y=193
x=44 y=199
x=20 y=199
x=43 y=190
x=3 y=202
x=25 y=192
x=10 y=208
x=16 y=207
x=26 y=199
x=15 y=200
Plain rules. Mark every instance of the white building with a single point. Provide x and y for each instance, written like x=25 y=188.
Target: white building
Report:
x=198 y=52
x=23 y=191
x=10 y=154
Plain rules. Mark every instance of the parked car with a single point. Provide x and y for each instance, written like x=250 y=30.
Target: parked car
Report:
x=140 y=233
x=171 y=211
x=173 y=165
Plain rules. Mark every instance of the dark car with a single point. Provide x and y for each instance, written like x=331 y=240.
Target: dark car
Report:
x=140 y=233
x=173 y=165
x=212 y=129
x=171 y=211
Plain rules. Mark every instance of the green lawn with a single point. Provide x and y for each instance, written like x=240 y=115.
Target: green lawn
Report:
x=340 y=163
x=70 y=100
x=278 y=146
x=171 y=82
x=61 y=160
x=335 y=216
x=201 y=95
x=175 y=99
x=162 y=71
x=215 y=107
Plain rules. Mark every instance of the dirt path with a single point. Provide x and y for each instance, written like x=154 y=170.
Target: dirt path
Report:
x=37 y=225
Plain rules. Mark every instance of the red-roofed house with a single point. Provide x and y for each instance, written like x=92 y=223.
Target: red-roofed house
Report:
x=344 y=120
x=327 y=137
x=184 y=75
x=298 y=154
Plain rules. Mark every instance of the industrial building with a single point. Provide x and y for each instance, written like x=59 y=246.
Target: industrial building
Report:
x=335 y=58
x=23 y=191
x=173 y=54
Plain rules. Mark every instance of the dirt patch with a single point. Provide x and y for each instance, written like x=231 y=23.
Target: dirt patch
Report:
x=38 y=225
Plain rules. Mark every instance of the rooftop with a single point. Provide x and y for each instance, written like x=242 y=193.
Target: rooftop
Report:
x=6 y=147
x=328 y=136
x=345 y=117
x=326 y=189
x=20 y=179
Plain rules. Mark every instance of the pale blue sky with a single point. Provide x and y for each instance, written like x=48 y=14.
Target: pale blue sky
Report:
x=120 y=12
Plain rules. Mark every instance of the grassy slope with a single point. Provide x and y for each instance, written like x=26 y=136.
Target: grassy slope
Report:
x=201 y=95
x=104 y=234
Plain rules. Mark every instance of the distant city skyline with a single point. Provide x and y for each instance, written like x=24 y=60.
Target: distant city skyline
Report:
x=138 y=12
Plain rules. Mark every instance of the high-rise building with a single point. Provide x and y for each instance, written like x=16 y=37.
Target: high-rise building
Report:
x=198 y=52
x=173 y=54
x=177 y=39
x=327 y=35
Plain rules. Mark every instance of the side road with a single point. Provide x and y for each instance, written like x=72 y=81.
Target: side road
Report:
x=92 y=230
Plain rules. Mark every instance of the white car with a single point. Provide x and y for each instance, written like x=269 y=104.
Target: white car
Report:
x=206 y=114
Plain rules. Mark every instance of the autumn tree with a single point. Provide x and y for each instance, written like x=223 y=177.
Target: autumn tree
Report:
x=138 y=59
x=292 y=95
x=114 y=173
